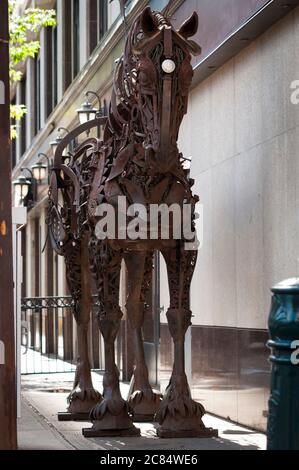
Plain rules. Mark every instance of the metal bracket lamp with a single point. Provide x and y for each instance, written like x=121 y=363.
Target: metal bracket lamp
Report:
x=88 y=113
x=21 y=186
x=54 y=144
x=40 y=171
x=25 y=190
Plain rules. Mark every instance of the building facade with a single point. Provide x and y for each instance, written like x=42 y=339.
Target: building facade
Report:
x=242 y=134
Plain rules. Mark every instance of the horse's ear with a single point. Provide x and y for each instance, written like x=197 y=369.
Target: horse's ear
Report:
x=148 y=24
x=189 y=27
x=194 y=48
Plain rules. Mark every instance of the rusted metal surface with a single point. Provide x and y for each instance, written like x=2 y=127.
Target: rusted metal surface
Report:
x=139 y=160
x=8 y=436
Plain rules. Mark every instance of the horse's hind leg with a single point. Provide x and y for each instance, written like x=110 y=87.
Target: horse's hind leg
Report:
x=143 y=401
x=83 y=396
x=111 y=417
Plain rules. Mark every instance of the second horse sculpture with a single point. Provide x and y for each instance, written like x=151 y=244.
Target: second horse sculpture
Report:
x=138 y=160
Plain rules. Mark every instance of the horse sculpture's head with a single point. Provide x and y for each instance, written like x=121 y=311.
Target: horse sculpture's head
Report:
x=156 y=76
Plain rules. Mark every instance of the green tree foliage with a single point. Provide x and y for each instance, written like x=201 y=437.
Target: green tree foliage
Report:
x=23 y=31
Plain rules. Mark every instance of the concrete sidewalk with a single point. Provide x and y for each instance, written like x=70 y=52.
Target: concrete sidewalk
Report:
x=44 y=396
x=36 y=433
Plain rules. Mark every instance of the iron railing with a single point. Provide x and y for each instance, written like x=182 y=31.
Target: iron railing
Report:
x=49 y=342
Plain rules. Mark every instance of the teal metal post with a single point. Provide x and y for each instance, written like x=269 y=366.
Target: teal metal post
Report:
x=283 y=418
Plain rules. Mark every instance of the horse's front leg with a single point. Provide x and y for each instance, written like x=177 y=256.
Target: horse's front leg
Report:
x=143 y=401
x=179 y=415
x=111 y=417
x=83 y=396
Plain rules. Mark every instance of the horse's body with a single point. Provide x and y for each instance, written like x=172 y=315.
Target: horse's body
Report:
x=139 y=160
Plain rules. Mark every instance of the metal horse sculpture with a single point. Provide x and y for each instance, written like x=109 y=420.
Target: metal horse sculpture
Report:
x=138 y=159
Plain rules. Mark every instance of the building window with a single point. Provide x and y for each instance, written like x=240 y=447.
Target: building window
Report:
x=51 y=70
x=102 y=18
x=75 y=38
x=98 y=22
x=93 y=25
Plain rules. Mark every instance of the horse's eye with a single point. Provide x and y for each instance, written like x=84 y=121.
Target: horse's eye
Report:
x=168 y=66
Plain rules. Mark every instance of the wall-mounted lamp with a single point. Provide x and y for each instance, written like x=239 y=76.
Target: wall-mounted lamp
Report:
x=87 y=112
x=41 y=172
x=21 y=186
x=54 y=144
x=25 y=190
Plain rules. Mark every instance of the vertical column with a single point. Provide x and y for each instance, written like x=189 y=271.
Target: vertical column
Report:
x=45 y=76
x=31 y=275
x=43 y=283
x=37 y=253
x=42 y=271
x=29 y=260
x=50 y=313
x=43 y=234
x=84 y=46
x=19 y=140
x=56 y=293
x=60 y=50
x=8 y=431
x=65 y=314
